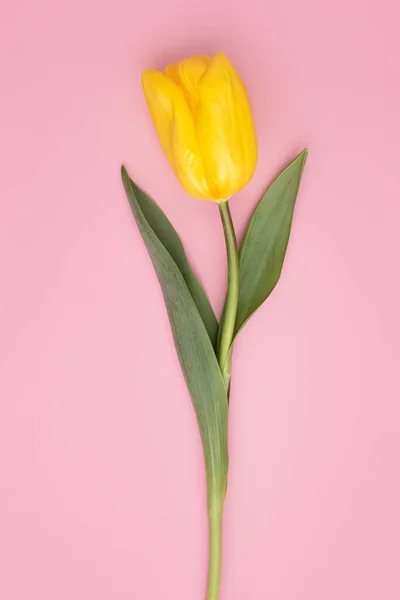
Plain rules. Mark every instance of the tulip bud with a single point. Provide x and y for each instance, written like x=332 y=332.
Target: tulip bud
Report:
x=204 y=122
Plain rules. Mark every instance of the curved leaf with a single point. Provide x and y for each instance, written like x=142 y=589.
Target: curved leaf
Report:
x=193 y=346
x=168 y=236
x=264 y=245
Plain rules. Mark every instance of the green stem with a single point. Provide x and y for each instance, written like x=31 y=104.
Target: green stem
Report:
x=227 y=326
x=215 y=556
x=224 y=354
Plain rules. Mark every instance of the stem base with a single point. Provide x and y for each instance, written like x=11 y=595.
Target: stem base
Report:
x=215 y=556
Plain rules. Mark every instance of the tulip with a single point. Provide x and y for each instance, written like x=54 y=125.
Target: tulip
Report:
x=204 y=122
x=203 y=119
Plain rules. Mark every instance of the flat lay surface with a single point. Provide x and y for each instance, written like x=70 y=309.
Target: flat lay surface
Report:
x=102 y=484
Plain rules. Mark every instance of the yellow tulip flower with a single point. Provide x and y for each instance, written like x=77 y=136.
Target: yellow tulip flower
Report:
x=204 y=122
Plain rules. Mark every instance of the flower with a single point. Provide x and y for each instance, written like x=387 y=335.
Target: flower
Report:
x=203 y=119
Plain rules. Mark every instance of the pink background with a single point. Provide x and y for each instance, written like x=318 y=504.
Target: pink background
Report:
x=101 y=473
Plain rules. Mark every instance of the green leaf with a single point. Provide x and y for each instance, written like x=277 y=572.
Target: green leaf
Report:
x=195 y=351
x=167 y=235
x=264 y=245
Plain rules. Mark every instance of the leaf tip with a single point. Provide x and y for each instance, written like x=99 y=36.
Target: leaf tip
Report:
x=304 y=154
x=303 y=157
x=125 y=178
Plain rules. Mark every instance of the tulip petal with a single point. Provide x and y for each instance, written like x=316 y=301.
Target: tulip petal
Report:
x=187 y=74
x=225 y=128
x=175 y=128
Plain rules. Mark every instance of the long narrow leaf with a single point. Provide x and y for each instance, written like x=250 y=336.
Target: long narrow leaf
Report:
x=264 y=245
x=168 y=236
x=194 y=349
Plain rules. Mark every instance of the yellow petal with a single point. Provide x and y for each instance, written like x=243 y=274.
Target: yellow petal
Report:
x=186 y=75
x=175 y=129
x=225 y=128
